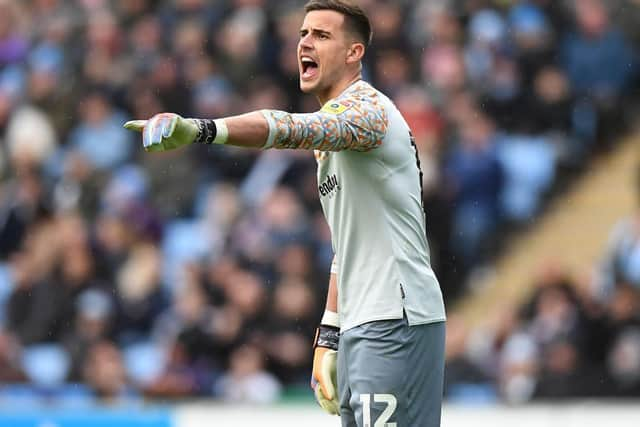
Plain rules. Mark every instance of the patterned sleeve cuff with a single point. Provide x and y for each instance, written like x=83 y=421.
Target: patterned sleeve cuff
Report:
x=272 y=126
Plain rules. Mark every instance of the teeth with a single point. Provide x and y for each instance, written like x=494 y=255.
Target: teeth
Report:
x=306 y=59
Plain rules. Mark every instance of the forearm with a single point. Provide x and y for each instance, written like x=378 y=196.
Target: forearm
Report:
x=249 y=130
x=332 y=294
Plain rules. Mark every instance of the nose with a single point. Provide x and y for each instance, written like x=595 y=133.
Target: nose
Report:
x=305 y=42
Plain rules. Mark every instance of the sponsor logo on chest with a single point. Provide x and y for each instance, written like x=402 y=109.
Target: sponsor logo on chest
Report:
x=329 y=187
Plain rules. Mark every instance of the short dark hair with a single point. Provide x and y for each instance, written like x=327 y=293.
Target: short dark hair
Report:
x=355 y=18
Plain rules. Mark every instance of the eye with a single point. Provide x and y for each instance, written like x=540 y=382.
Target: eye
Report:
x=323 y=36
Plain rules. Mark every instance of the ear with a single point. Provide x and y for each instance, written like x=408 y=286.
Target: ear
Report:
x=355 y=53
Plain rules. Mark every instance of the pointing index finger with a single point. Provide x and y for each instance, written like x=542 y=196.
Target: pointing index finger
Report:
x=135 y=125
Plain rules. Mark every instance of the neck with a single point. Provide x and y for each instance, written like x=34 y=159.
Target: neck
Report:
x=338 y=88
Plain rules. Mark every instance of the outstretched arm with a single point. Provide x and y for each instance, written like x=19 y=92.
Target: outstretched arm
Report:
x=339 y=126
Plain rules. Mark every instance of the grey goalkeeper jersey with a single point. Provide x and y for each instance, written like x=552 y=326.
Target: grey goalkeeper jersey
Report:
x=370 y=191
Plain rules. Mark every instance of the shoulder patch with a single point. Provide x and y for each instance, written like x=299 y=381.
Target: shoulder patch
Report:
x=336 y=107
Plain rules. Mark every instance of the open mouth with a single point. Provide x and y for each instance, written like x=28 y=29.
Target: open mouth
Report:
x=309 y=68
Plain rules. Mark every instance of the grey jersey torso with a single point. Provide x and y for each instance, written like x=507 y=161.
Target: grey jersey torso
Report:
x=373 y=203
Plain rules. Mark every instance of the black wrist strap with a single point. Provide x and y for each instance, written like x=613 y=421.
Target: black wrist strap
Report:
x=327 y=336
x=207 y=131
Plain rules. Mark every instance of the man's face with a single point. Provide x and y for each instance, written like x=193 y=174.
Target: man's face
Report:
x=322 y=51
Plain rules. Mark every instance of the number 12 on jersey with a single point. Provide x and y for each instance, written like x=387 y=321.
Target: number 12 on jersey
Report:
x=391 y=402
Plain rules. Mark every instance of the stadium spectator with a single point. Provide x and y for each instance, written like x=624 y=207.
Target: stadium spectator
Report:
x=10 y=370
x=291 y=327
x=475 y=178
x=14 y=46
x=105 y=373
x=621 y=263
x=600 y=64
x=247 y=381
x=100 y=123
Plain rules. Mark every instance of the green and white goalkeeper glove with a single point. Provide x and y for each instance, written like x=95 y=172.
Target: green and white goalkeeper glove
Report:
x=168 y=131
x=324 y=380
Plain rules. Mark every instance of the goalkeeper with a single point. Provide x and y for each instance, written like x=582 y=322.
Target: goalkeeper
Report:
x=383 y=328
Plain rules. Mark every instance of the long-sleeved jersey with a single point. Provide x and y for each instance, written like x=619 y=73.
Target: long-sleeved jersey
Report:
x=371 y=194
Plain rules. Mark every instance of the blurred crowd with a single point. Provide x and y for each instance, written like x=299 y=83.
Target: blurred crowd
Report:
x=573 y=337
x=203 y=272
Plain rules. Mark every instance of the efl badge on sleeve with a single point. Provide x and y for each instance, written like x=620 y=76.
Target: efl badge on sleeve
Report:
x=336 y=107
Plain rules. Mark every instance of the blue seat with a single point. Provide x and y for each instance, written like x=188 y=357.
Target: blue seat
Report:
x=144 y=361
x=46 y=365
x=19 y=396
x=471 y=393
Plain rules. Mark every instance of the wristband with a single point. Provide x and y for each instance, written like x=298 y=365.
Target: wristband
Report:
x=334 y=266
x=327 y=337
x=223 y=132
x=211 y=131
x=330 y=318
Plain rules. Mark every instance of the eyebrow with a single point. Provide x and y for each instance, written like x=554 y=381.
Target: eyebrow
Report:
x=315 y=31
